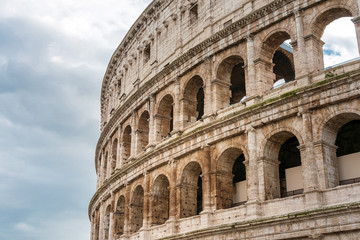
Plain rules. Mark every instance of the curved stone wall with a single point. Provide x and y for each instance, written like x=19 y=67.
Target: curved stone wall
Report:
x=198 y=143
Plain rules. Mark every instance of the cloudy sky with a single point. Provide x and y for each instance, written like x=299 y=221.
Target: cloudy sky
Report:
x=53 y=55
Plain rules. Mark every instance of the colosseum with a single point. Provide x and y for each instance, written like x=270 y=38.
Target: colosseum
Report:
x=219 y=121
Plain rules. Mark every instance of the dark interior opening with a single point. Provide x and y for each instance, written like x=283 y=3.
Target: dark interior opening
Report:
x=199 y=195
x=237 y=88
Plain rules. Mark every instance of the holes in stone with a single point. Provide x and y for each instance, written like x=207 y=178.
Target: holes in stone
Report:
x=289 y=157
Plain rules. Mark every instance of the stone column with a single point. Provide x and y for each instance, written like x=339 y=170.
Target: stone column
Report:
x=101 y=222
x=251 y=73
x=206 y=179
x=252 y=168
x=111 y=221
x=147 y=199
x=172 y=199
x=314 y=53
x=176 y=106
x=220 y=95
x=300 y=58
x=308 y=163
x=356 y=22
x=326 y=160
x=133 y=135
x=269 y=185
x=152 y=132
x=101 y=172
x=127 y=212
x=119 y=150
x=265 y=76
x=207 y=87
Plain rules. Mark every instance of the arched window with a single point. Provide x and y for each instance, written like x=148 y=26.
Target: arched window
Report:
x=339 y=48
x=137 y=208
x=107 y=223
x=341 y=150
x=143 y=132
x=160 y=200
x=193 y=100
x=231 y=185
x=164 y=117
x=336 y=45
x=284 y=179
x=277 y=63
x=127 y=143
x=191 y=196
x=114 y=155
x=231 y=71
x=119 y=216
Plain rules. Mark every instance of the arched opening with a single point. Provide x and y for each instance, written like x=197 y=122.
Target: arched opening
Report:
x=283 y=61
x=290 y=171
x=282 y=166
x=348 y=152
x=231 y=185
x=341 y=149
x=231 y=71
x=136 y=210
x=119 y=216
x=114 y=155
x=127 y=143
x=191 y=196
x=277 y=63
x=143 y=132
x=193 y=100
x=160 y=201
x=107 y=223
x=338 y=47
x=164 y=117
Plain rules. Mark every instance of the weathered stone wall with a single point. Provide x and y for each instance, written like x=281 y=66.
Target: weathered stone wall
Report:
x=173 y=129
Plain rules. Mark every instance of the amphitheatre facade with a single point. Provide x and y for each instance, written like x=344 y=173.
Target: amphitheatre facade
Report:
x=219 y=121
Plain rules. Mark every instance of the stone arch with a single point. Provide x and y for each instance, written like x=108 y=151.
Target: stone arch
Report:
x=107 y=223
x=318 y=24
x=160 y=200
x=114 y=153
x=341 y=149
x=277 y=58
x=191 y=195
x=327 y=15
x=126 y=142
x=231 y=71
x=143 y=132
x=165 y=117
x=136 y=209
x=193 y=100
x=231 y=187
x=282 y=164
x=119 y=216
